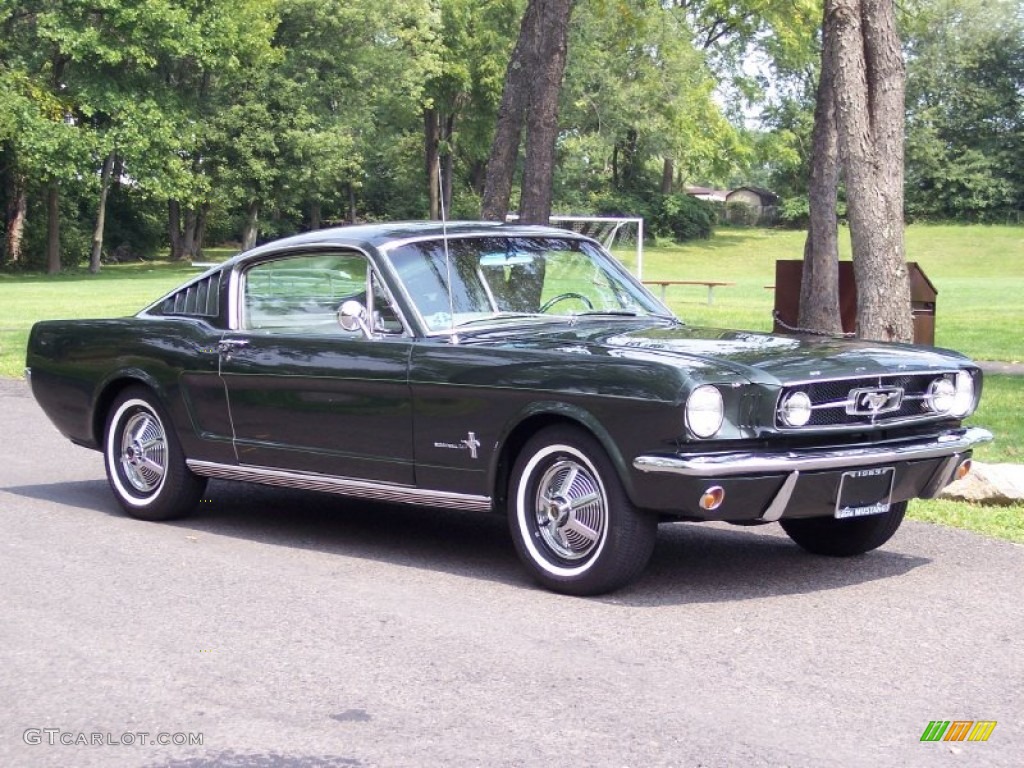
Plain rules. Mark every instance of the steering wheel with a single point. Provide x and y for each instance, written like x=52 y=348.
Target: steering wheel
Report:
x=562 y=297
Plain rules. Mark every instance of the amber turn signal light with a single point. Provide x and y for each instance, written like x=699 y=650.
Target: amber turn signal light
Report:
x=712 y=498
x=963 y=470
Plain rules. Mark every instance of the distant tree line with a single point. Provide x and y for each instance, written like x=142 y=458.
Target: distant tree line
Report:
x=136 y=127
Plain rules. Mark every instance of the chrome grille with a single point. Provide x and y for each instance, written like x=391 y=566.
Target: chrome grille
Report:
x=833 y=401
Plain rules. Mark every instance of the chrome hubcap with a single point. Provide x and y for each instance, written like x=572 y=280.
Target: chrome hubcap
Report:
x=570 y=510
x=143 y=452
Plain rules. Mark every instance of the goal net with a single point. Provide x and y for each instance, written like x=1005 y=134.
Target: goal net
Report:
x=622 y=236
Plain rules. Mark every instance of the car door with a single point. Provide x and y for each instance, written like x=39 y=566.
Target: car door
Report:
x=303 y=393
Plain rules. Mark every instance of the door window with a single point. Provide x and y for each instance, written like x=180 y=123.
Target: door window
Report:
x=302 y=294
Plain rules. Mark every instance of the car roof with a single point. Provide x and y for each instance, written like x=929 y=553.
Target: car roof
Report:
x=377 y=235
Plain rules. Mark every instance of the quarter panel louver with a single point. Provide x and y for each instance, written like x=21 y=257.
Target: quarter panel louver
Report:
x=199 y=299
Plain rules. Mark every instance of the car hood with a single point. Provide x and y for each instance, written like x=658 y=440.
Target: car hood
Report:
x=712 y=353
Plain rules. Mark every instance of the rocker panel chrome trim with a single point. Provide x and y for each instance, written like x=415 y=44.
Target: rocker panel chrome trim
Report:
x=342 y=486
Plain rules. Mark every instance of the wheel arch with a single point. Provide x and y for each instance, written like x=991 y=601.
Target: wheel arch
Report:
x=540 y=416
x=108 y=392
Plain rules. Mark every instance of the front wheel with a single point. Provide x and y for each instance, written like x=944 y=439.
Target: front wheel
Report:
x=145 y=465
x=845 y=537
x=573 y=525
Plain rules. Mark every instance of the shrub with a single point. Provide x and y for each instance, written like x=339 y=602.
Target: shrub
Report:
x=683 y=217
x=795 y=213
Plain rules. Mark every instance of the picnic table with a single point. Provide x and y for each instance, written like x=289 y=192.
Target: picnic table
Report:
x=711 y=285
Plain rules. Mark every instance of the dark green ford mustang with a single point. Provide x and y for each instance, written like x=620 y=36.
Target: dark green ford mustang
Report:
x=503 y=368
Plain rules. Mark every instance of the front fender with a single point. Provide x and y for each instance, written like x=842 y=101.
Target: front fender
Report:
x=537 y=415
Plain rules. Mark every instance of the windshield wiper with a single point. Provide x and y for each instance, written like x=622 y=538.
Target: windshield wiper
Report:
x=497 y=316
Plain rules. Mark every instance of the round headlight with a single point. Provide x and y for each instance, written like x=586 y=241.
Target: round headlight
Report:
x=963 y=401
x=704 y=411
x=795 y=409
x=941 y=396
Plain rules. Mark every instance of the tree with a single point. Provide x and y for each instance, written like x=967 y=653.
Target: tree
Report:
x=869 y=87
x=862 y=84
x=463 y=95
x=819 y=289
x=965 y=109
x=530 y=96
x=640 y=109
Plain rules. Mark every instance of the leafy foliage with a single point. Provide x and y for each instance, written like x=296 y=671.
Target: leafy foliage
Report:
x=285 y=114
x=683 y=217
x=965 y=102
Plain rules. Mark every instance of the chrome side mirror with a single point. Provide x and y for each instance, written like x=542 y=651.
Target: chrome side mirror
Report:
x=352 y=317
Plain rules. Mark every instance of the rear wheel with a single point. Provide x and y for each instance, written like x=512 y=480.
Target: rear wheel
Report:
x=573 y=525
x=145 y=465
x=848 y=536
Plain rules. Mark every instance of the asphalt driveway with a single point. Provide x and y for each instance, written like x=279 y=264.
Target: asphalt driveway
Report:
x=294 y=629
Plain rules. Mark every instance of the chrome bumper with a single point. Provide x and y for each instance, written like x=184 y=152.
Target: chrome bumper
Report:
x=746 y=463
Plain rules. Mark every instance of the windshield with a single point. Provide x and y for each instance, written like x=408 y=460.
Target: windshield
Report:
x=498 y=278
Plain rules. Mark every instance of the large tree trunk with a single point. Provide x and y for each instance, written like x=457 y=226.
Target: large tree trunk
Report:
x=431 y=144
x=53 y=228
x=251 y=226
x=174 y=230
x=501 y=165
x=668 y=173
x=314 y=215
x=101 y=215
x=542 y=117
x=627 y=154
x=870 y=115
x=188 y=243
x=17 y=211
x=819 y=289
x=200 y=237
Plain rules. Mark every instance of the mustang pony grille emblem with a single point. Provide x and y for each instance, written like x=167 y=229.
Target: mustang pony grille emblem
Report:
x=874 y=402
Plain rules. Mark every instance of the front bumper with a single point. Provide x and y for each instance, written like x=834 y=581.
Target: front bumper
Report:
x=798 y=483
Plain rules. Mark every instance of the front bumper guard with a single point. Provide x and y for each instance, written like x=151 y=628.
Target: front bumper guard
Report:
x=950 y=446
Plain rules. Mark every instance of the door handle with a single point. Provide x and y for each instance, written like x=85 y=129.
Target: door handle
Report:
x=230 y=345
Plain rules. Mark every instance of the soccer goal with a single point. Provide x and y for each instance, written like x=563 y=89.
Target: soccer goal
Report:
x=622 y=236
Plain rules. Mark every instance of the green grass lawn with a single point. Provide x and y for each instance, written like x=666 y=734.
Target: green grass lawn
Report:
x=996 y=522
x=977 y=270
x=116 y=291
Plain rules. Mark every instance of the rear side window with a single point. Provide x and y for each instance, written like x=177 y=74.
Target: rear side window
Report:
x=198 y=299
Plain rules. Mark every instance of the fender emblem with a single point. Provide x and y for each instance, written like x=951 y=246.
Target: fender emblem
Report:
x=469 y=442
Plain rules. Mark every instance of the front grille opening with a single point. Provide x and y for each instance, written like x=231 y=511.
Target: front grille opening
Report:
x=830 y=400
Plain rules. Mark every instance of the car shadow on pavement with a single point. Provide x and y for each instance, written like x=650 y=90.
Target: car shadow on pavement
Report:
x=709 y=563
x=94 y=495
x=692 y=563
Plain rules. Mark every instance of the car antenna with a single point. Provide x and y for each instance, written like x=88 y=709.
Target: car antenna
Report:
x=453 y=337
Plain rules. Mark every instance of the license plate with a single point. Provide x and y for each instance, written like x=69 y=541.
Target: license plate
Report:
x=865 y=492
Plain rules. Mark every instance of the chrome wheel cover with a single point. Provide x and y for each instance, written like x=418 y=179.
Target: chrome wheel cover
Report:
x=143 y=452
x=570 y=509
